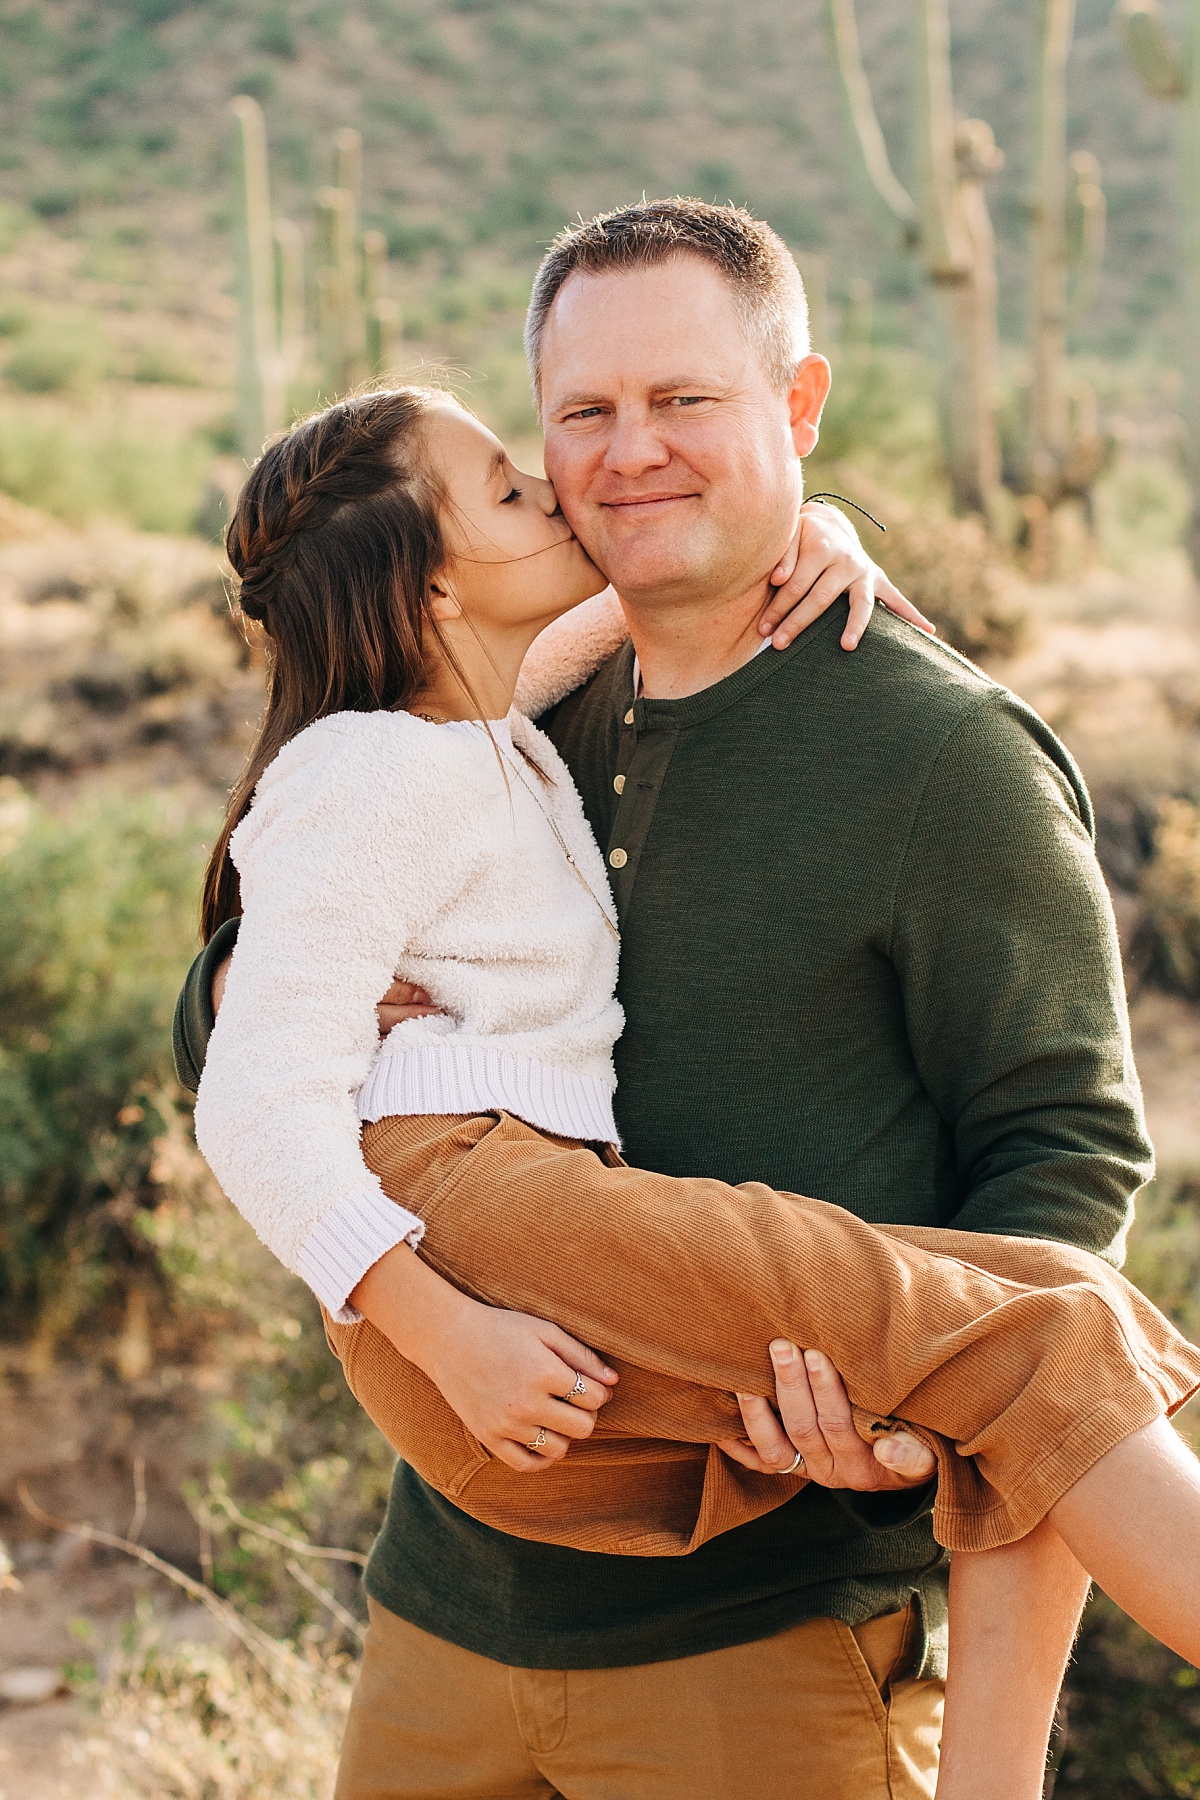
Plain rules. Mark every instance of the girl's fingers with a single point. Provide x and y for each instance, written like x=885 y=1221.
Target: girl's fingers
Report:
x=862 y=605
x=894 y=600
x=514 y=1455
x=572 y=1422
x=554 y=1448
x=578 y=1359
x=817 y=600
x=783 y=568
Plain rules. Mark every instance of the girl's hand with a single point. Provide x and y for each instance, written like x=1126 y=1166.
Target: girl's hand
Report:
x=823 y=560
x=506 y=1375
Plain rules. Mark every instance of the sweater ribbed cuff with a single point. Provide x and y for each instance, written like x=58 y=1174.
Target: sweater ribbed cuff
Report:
x=349 y=1239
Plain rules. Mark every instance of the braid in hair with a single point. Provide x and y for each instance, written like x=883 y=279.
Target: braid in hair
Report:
x=335 y=540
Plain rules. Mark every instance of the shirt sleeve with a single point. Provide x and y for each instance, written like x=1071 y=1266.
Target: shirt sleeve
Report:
x=568 y=653
x=194 y=1017
x=336 y=875
x=1006 y=950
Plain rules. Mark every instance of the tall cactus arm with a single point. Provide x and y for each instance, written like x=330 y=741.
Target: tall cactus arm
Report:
x=946 y=237
x=1087 y=231
x=258 y=380
x=863 y=115
x=1156 y=62
x=289 y=254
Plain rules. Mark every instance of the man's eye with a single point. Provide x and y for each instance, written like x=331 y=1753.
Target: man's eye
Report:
x=513 y=494
x=587 y=412
x=688 y=399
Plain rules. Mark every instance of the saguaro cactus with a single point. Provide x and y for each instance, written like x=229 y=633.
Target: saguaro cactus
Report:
x=1064 y=452
x=1173 y=73
x=356 y=320
x=270 y=284
x=948 y=224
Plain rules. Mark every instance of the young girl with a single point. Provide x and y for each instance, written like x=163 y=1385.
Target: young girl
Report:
x=407 y=819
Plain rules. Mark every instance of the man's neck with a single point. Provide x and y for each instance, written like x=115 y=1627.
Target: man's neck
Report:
x=682 y=649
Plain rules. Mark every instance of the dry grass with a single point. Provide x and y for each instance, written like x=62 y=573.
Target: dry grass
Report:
x=1171 y=892
x=202 y=1722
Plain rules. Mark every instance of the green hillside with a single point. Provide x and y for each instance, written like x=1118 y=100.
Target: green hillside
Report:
x=488 y=122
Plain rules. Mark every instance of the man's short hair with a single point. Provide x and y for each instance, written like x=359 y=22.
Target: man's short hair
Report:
x=757 y=264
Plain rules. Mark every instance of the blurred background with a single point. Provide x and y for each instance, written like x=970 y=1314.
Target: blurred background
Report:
x=215 y=215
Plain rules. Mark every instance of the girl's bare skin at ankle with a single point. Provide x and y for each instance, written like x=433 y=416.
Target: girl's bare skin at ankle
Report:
x=1133 y=1521
x=1013 y=1617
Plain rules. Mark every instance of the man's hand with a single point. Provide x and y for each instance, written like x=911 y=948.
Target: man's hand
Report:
x=823 y=560
x=218 y=983
x=815 y=1419
x=403 y=1001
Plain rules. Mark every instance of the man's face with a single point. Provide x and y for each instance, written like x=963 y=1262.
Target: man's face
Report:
x=675 y=460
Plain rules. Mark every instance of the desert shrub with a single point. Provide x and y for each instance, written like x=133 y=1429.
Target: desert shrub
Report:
x=160 y=362
x=1132 y=1715
x=96 y=927
x=946 y=566
x=15 y=318
x=881 y=417
x=81 y=466
x=55 y=359
x=1164 y=1249
x=1170 y=889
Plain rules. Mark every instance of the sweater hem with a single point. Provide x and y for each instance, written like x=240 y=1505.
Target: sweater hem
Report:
x=446 y=1078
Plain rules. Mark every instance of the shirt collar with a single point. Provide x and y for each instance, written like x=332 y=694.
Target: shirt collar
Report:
x=637 y=668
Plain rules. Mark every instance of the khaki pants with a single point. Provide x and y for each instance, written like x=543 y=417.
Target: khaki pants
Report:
x=820 y=1712
x=1020 y=1362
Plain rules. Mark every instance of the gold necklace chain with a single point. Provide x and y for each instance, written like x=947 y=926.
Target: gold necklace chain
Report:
x=549 y=818
x=563 y=845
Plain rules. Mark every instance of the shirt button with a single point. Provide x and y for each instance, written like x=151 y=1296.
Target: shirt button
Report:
x=618 y=858
x=629 y=717
x=619 y=783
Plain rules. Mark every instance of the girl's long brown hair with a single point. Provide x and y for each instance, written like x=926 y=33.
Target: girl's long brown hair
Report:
x=336 y=538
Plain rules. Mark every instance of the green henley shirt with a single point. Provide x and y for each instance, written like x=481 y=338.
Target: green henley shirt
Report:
x=867 y=954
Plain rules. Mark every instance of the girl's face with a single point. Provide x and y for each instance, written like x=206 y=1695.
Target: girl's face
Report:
x=513 y=561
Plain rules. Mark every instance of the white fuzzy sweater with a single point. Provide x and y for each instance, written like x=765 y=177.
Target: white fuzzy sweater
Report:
x=381 y=845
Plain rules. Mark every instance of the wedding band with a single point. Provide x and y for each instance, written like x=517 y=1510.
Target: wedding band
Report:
x=539 y=1440
x=579 y=1388
x=793 y=1466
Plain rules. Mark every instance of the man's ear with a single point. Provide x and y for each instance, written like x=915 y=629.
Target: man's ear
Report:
x=806 y=402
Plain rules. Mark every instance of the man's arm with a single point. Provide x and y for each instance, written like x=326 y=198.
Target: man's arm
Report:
x=1006 y=952
x=199 y=997
x=200 y=1001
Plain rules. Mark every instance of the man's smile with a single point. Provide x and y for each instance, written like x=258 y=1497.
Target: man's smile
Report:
x=627 y=501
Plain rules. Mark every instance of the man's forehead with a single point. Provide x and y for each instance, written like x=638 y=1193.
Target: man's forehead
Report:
x=670 y=326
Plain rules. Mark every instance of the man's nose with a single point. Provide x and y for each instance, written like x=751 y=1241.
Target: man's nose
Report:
x=634 y=445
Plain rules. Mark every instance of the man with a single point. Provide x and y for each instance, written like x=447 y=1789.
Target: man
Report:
x=866 y=955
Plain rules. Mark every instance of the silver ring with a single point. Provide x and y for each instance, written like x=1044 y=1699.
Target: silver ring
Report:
x=579 y=1388
x=793 y=1466
x=540 y=1439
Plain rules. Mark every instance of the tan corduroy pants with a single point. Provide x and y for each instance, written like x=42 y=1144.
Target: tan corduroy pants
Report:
x=819 y=1712
x=1020 y=1362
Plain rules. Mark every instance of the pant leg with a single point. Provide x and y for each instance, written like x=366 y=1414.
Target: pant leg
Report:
x=1033 y=1359
x=429 y=1721
x=818 y=1712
